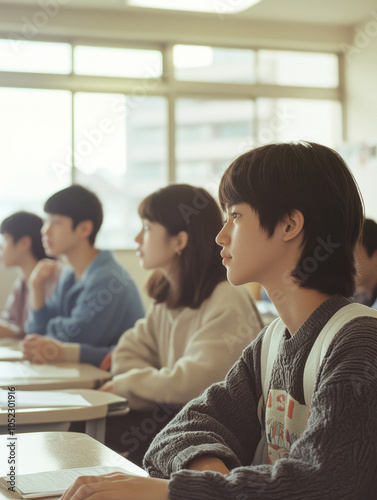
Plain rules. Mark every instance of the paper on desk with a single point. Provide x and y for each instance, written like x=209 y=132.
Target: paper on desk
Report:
x=45 y=484
x=10 y=353
x=40 y=399
x=27 y=370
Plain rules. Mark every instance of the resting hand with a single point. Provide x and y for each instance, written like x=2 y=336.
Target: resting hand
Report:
x=117 y=486
x=107 y=387
x=40 y=349
x=209 y=463
x=42 y=272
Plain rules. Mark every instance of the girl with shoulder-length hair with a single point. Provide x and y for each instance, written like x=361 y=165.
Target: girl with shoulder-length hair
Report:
x=191 y=216
x=198 y=323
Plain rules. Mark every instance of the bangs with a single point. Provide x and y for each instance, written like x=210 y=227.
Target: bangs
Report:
x=233 y=186
x=146 y=209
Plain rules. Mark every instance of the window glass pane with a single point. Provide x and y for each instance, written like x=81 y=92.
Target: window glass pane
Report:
x=35 y=153
x=298 y=68
x=121 y=154
x=210 y=134
x=299 y=119
x=35 y=57
x=105 y=61
x=197 y=63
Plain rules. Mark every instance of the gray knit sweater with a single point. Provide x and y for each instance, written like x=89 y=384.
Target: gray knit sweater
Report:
x=334 y=458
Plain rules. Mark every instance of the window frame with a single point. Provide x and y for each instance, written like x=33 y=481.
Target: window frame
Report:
x=170 y=88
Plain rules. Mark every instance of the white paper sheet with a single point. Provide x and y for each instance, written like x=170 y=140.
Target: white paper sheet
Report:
x=39 y=399
x=53 y=483
x=15 y=369
x=8 y=354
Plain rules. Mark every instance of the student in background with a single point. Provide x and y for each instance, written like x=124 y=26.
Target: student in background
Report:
x=294 y=216
x=366 y=258
x=22 y=248
x=95 y=299
x=197 y=326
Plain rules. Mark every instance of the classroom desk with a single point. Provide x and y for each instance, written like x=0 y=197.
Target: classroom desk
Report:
x=49 y=451
x=10 y=342
x=45 y=418
x=10 y=349
x=32 y=376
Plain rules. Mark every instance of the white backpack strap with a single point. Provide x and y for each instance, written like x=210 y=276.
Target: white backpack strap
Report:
x=324 y=339
x=269 y=350
x=270 y=347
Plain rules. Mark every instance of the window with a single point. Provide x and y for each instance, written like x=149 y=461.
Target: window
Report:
x=111 y=119
x=215 y=138
x=296 y=119
x=298 y=68
x=35 y=57
x=107 y=61
x=35 y=153
x=114 y=149
x=197 y=63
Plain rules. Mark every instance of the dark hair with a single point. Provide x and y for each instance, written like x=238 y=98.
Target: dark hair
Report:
x=79 y=204
x=276 y=179
x=22 y=224
x=369 y=236
x=180 y=207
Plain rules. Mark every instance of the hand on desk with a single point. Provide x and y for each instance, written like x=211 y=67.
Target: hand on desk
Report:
x=107 y=387
x=40 y=349
x=118 y=486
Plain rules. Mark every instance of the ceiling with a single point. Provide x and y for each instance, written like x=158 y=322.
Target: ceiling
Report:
x=336 y=12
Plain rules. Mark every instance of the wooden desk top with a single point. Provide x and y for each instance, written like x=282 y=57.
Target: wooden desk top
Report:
x=48 y=451
x=100 y=403
x=32 y=376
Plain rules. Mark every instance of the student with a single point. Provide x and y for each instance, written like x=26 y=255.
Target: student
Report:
x=294 y=216
x=22 y=248
x=366 y=258
x=197 y=326
x=95 y=299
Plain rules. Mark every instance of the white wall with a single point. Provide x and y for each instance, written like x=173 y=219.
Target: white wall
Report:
x=361 y=83
x=361 y=106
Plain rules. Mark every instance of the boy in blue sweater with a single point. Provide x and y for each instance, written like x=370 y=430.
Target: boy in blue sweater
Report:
x=95 y=301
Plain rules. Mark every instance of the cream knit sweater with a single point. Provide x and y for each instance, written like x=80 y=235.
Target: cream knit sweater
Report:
x=171 y=356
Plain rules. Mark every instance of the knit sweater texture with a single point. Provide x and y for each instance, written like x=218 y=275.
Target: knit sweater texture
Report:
x=335 y=457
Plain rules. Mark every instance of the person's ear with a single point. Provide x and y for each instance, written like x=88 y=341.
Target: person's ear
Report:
x=374 y=256
x=181 y=241
x=292 y=225
x=25 y=242
x=85 y=228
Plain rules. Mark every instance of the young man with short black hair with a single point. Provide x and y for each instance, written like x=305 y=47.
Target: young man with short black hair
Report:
x=294 y=216
x=95 y=301
x=22 y=248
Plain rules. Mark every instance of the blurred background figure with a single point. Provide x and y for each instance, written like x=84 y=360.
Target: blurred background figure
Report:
x=21 y=247
x=366 y=258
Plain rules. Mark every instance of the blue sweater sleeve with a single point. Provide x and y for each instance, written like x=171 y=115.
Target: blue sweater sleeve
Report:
x=93 y=313
x=93 y=355
x=38 y=319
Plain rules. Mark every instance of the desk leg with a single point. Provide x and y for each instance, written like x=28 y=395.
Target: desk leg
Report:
x=96 y=429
